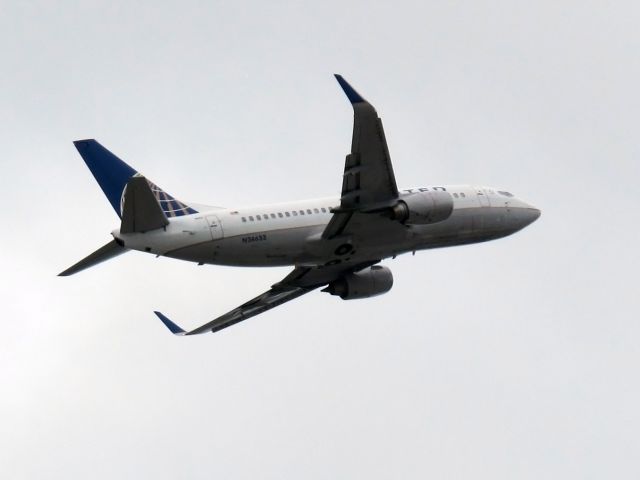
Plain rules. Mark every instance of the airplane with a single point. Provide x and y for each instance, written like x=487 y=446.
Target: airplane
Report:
x=333 y=243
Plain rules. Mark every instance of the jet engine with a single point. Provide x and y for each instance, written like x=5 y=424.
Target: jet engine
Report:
x=369 y=282
x=422 y=208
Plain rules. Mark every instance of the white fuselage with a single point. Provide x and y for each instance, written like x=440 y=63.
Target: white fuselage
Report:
x=283 y=234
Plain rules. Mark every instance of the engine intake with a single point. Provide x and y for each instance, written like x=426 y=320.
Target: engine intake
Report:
x=369 y=282
x=422 y=208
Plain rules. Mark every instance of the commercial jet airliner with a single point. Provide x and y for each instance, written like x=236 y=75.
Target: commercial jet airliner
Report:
x=336 y=242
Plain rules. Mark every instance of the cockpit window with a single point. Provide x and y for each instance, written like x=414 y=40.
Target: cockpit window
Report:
x=506 y=194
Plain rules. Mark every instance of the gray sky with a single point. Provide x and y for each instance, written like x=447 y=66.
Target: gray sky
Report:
x=512 y=359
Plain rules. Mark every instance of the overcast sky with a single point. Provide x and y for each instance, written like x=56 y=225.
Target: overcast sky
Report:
x=512 y=359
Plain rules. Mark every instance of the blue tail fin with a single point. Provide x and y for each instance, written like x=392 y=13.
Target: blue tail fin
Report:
x=112 y=174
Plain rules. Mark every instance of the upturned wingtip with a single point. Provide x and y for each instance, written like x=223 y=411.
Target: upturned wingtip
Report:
x=350 y=92
x=175 y=329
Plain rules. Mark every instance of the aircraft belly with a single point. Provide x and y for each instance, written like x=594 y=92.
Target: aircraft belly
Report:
x=200 y=253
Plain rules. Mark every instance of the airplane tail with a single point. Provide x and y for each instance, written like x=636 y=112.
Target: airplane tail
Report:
x=140 y=204
x=112 y=174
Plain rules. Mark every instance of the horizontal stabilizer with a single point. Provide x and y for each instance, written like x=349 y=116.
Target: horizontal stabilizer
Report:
x=107 y=252
x=141 y=211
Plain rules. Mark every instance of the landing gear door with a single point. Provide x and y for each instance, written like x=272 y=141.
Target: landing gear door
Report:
x=215 y=227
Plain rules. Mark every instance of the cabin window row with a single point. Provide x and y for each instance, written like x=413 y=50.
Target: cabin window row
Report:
x=293 y=213
x=459 y=195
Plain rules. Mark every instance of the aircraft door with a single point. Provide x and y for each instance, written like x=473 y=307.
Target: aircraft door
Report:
x=215 y=226
x=483 y=198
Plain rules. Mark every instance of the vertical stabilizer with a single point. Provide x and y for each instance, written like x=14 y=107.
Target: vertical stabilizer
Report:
x=112 y=174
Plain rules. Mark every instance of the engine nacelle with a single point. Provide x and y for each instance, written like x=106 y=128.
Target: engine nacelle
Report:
x=422 y=208
x=369 y=282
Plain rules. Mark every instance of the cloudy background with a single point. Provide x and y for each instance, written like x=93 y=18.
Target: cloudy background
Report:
x=512 y=359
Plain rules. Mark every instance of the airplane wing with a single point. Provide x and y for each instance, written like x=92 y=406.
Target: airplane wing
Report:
x=300 y=281
x=266 y=301
x=368 y=183
x=368 y=186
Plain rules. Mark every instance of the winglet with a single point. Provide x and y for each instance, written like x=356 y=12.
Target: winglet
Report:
x=175 y=329
x=352 y=95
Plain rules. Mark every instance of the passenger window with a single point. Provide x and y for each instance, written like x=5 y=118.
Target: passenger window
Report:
x=308 y=211
x=251 y=218
x=324 y=210
x=258 y=217
x=455 y=195
x=462 y=195
x=301 y=212
x=273 y=215
x=315 y=210
x=295 y=214
x=244 y=219
x=287 y=214
x=280 y=214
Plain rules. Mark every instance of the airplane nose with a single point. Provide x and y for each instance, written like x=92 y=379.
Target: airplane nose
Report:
x=528 y=215
x=536 y=214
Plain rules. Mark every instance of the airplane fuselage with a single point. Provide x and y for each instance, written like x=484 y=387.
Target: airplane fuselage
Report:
x=287 y=233
x=334 y=243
